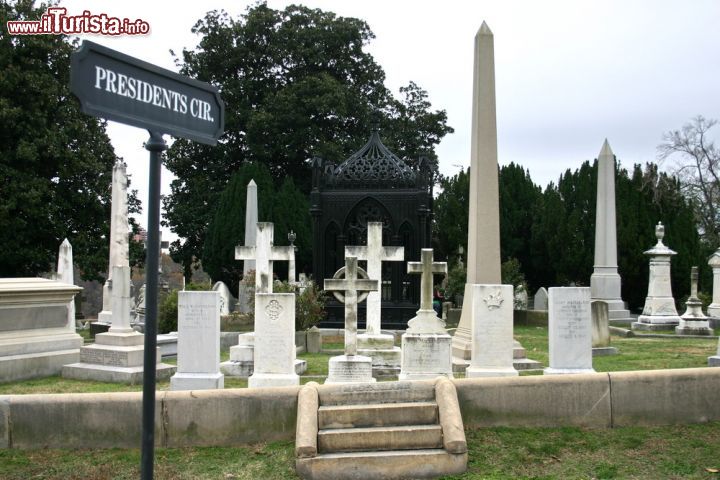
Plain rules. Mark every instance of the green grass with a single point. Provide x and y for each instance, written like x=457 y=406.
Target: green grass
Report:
x=494 y=453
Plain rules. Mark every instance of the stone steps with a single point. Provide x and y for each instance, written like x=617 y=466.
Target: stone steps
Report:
x=384 y=431
x=406 y=437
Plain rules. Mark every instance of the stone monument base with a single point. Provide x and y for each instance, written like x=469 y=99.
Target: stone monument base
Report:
x=197 y=381
x=258 y=380
x=714 y=361
x=656 y=322
x=604 y=351
x=232 y=368
x=693 y=328
x=36 y=365
x=350 y=369
x=385 y=355
x=566 y=371
x=473 y=372
x=426 y=356
x=713 y=322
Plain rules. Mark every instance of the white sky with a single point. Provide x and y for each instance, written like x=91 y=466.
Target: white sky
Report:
x=568 y=73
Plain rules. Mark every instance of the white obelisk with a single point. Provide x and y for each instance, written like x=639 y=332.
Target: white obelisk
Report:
x=119 y=230
x=605 y=280
x=483 y=260
x=251 y=219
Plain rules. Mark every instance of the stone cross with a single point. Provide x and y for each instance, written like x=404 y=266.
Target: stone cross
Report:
x=264 y=253
x=375 y=253
x=427 y=267
x=351 y=285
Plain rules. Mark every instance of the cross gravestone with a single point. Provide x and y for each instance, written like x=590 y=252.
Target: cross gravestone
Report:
x=492 y=330
x=381 y=348
x=198 y=349
x=351 y=290
x=426 y=346
x=570 y=335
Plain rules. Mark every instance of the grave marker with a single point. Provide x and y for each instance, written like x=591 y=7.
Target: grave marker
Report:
x=570 y=330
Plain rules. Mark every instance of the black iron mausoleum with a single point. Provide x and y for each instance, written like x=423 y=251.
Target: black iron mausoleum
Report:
x=372 y=185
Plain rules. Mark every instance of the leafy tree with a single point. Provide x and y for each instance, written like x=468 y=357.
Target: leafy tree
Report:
x=450 y=215
x=297 y=83
x=55 y=161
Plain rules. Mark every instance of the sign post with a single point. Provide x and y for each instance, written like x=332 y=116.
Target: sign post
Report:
x=118 y=87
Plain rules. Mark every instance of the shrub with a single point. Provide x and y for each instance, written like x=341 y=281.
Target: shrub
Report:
x=168 y=311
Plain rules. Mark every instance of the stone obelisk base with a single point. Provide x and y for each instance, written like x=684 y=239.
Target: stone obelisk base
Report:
x=197 y=381
x=350 y=369
x=385 y=355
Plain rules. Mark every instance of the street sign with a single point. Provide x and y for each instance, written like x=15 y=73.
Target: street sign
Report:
x=118 y=87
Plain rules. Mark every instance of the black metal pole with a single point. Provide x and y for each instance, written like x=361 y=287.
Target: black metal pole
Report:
x=155 y=145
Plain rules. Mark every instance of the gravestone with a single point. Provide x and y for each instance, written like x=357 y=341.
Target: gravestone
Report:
x=714 y=361
x=314 y=340
x=274 y=341
x=605 y=281
x=570 y=331
x=65 y=274
x=251 y=219
x=198 y=346
x=117 y=355
x=659 y=312
x=351 y=290
x=37 y=336
x=713 y=309
x=601 y=329
x=242 y=357
x=374 y=344
x=540 y=301
x=520 y=300
x=119 y=241
x=492 y=332
x=693 y=321
x=227 y=301
x=426 y=346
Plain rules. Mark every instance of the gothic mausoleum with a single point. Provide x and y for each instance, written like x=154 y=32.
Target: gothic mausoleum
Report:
x=372 y=185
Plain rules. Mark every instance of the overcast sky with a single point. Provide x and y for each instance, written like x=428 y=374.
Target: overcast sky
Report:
x=568 y=73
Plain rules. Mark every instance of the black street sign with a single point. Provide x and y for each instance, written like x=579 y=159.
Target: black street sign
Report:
x=118 y=87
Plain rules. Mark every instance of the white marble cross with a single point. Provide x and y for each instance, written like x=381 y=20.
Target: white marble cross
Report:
x=264 y=253
x=426 y=267
x=375 y=253
x=350 y=286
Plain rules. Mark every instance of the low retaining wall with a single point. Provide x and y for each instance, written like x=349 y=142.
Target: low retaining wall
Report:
x=243 y=416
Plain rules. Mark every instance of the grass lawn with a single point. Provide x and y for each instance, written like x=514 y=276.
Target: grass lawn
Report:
x=495 y=453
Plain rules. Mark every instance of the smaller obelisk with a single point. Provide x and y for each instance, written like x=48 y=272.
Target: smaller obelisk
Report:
x=119 y=230
x=65 y=274
x=605 y=280
x=251 y=219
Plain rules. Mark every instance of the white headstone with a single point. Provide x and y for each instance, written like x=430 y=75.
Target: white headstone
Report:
x=226 y=297
x=520 y=301
x=570 y=330
x=541 y=299
x=274 y=341
x=713 y=309
x=198 y=354
x=492 y=332
x=65 y=274
x=601 y=329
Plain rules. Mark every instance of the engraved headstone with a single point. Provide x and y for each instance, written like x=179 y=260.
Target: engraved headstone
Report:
x=570 y=330
x=426 y=346
x=274 y=341
x=227 y=300
x=541 y=299
x=198 y=347
x=492 y=332
x=351 y=367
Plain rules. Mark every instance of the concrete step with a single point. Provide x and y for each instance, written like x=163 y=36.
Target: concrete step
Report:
x=394 y=464
x=406 y=437
x=377 y=415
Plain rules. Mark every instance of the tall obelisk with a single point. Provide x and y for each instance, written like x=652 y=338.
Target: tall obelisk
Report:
x=119 y=230
x=251 y=219
x=605 y=280
x=483 y=260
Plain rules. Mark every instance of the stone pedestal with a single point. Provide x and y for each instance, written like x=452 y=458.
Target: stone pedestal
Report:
x=693 y=321
x=37 y=337
x=713 y=309
x=241 y=357
x=350 y=369
x=426 y=356
x=569 y=336
x=381 y=348
x=714 y=361
x=601 y=329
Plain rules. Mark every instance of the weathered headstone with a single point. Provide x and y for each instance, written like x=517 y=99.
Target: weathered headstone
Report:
x=520 y=299
x=380 y=347
x=713 y=309
x=314 y=340
x=540 y=301
x=37 y=336
x=600 y=329
x=492 y=332
x=570 y=330
x=117 y=355
x=274 y=341
x=659 y=312
x=426 y=346
x=227 y=300
x=251 y=220
x=714 y=361
x=693 y=321
x=119 y=241
x=351 y=290
x=198 y=347
x=605 y=281
x=65 y=274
